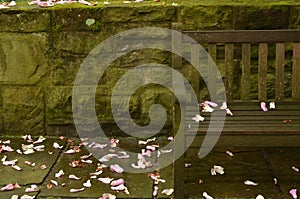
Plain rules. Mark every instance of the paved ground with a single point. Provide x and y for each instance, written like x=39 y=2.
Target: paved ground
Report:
x=268 y=166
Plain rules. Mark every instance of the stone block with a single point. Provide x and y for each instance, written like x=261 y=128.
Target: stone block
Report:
x=141 y=13
x=294 y=19
x=22 y=58
x=78 y=42
x=23 y=110
x=64 y=68
x=77 y=17
x=33 y=20
x=59 y=106
x=261 y=17
x=199 y=17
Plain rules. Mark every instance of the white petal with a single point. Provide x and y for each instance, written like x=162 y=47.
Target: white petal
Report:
x=14 y=197
x=77 y=190
x=54 y=182
x=74 y=177
x=10 y=163
x=30 y=163
x=295 y=168
x=87 y=161
x=168 y=192
x=198 y=118
x=86 y=156
x=7 y=148
x=210 y=103
x=32 y=188
x=206 y=196
x=230 y=153
x=59 y=174
x=28 y=151
x=106 y=180
x=4 y=158
x=12 y=3
x=108 y=196
x=87 y=184
x=206 y=108
x=224 y=106
x=6 y=142
x=272 y=105
x=120 y=187
x=259 y=196
x=249 y=182
x=16 y=167
x=70 y=151
x=39 y=140
x=27 y=197
x=57 y=146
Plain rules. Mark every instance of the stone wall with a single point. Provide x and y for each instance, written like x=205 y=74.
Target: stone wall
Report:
x=41 y=51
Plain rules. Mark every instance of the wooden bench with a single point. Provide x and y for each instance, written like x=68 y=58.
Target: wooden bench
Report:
x=280 y=126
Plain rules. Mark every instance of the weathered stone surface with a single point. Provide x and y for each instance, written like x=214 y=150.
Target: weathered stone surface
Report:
x=24 y=21
x=59 y=105
x=77 y=17
x=141 y=13
x=64 y=69
x=22 y=58
x=23 y=110
x=206 y=18
x=78 y=42
x=261 y=17
x=294 y=22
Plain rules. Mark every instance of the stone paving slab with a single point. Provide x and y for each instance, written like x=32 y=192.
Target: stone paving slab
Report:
x=140 y=185
x=29 y=174
x=166 y=173
x=282 y=160
x=246 y=164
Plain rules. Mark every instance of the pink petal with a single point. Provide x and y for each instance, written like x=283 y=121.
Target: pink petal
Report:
x=263 y=106
x=106 y=180
x=293 y=192
x=116 y=168
x=117 y=182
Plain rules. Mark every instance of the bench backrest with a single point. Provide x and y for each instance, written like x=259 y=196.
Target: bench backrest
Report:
x=231 y=41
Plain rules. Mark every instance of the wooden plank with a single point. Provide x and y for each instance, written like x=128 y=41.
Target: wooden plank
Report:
x=253 y=140
x=246 y=62
x=279 y=82
x=262 y=71
x=296 y=72
x=176 y=47
x=244 y=36
x=195 y=60
x=212 y=81
x=178 y=116
x=229 y=71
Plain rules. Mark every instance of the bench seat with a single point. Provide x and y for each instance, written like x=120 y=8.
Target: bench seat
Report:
x=249 y=118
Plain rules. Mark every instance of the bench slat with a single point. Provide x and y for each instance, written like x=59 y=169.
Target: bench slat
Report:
x=195 y=52
x=279 y=84
x=229 y=71
x=250 y=130
x=296 y=71
x=244 y=36
x=212 y=51
x=246 y=62
x=262 y=71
